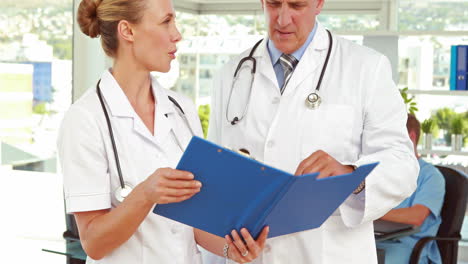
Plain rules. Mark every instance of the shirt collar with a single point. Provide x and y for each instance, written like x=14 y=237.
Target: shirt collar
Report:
x=118 y=103
x=275 y=53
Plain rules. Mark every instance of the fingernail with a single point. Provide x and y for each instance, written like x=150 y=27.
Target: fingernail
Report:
x=198 y=184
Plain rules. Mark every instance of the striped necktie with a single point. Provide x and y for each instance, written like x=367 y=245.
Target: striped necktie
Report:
x=288 y=62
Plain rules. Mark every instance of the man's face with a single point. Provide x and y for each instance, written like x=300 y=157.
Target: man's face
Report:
x=290 y=21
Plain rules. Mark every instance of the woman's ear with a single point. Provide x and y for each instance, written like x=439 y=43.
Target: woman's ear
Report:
x=125 y=30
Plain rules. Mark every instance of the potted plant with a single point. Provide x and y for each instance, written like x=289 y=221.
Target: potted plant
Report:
x=457 y=126
x=428 y=126
x=410 y=103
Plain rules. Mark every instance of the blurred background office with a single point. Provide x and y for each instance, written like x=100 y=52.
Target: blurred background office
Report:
x=43 y=57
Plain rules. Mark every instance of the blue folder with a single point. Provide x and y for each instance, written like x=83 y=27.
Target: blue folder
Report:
x=241 y=192
x=453 y=67
x=462 y=64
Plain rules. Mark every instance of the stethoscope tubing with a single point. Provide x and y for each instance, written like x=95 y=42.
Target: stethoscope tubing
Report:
x=236 y=119
x=252 y=72
x=120 y=195
x=114 y=147
x=330 y=46
x=182 y=113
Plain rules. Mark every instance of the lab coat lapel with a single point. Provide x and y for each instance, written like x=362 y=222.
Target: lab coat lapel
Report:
x=114 y=97
x=311 y=60
x=264 y=66
x=118 y=104
x=163 y=123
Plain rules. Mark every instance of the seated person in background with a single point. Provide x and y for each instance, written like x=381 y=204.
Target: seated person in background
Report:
x=422 y=208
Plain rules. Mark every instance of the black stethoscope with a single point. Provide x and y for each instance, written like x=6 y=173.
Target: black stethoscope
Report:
x=312 y=101
x=124 y=189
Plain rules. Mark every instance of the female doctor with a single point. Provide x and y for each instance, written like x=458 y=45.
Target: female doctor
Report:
x=119 y=141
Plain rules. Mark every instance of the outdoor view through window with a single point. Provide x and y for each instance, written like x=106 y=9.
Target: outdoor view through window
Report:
x=35 y=92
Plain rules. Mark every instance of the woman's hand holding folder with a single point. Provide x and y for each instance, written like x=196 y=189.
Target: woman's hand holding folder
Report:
x=245 y=249
x=168 y=185
x=241 y=248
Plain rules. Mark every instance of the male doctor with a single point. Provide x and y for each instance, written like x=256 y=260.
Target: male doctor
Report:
x=361 y=119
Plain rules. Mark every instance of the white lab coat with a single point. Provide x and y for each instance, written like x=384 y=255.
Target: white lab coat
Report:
x=362 y=119
x=90 y=173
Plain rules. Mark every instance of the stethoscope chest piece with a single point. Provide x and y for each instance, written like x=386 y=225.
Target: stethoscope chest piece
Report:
x=122 y=193
x=313 y=101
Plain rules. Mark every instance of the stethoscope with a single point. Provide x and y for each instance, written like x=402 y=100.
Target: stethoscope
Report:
x=124 y=189
x=312 y=101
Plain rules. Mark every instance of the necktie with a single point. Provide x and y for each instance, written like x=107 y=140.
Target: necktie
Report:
x=288 y=62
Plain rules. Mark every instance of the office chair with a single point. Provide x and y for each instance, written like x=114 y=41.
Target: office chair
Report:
x=74 y=251
x=452 y=213
x=72 y=238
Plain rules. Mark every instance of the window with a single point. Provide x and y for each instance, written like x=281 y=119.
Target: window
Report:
x=35 y=77
x=350 y=22
x=35 y=91
x=432 y=15
x=210 y=41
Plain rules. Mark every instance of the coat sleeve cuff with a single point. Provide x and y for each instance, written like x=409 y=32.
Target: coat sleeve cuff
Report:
x=89 y=202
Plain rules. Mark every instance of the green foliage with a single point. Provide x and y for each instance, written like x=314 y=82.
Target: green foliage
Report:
x=458 y=124
x=443 y=117
x=204 y=114
x=62 y=49
x=452 y=123
x=428 y=126
x=409 y=101
x=41 y=109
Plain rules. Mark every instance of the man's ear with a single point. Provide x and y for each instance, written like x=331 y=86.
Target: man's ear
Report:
x=263 y=4
x=320 y=4
x=125 y=30
x=412 y=136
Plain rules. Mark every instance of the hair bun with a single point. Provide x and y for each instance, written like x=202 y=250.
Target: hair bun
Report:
x=87 y=17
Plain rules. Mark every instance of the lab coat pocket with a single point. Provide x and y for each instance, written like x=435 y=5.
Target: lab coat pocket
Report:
x=354 y=244
x=328 y=128
x=235 y=137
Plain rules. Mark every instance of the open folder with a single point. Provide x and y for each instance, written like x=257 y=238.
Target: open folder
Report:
x=241 y=192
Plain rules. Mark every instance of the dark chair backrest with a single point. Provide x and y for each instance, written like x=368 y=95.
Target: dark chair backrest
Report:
x=71 y=235
x=72 y=228
x=453 y=211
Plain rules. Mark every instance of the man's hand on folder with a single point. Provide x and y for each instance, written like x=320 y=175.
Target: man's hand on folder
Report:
x=322 y=162
x=168 y=185
x=245 y=249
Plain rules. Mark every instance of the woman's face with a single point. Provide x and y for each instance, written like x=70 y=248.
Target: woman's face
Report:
x=155 y=37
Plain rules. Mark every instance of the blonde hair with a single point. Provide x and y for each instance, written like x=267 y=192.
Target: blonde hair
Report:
x=101 y=17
